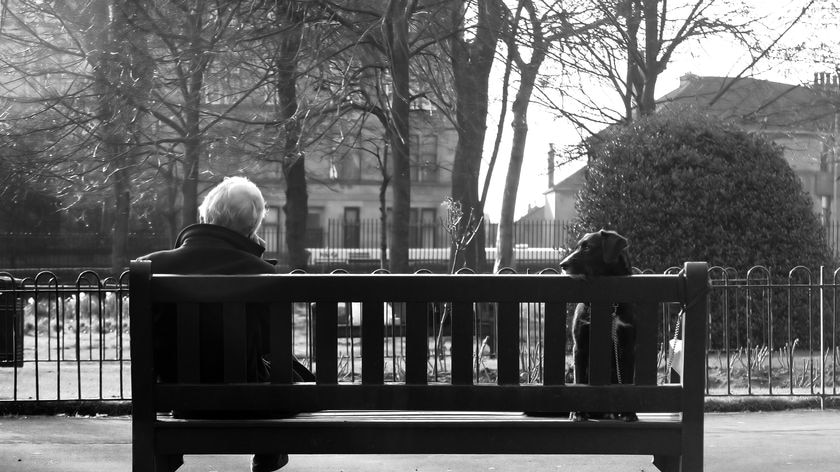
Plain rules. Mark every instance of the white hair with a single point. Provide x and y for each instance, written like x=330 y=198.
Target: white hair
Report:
x=236 y=203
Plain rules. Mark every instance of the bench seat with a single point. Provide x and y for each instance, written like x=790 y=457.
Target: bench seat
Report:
x=421 y=432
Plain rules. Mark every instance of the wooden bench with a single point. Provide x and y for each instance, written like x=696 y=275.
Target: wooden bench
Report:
x=418 y=416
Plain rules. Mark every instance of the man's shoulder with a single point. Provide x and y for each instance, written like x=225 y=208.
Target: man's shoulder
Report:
x=208 y=261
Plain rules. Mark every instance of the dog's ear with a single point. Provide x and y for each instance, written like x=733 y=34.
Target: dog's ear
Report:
x=613 y=246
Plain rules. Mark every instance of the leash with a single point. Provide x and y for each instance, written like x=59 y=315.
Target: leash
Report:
x=614 y=336
x=681 y=319
x=673 y=350
x=615 y=342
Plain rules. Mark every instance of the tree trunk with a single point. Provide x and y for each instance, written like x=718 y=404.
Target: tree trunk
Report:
x=471 y=63
x=647 y=102
x=528 y=75
x=296 y=208
x=119 y=246
x=397 y=33
x=197 y=63
x=383 y=212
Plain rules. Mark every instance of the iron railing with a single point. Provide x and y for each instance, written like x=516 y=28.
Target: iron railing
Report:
x=352 y=244
x=769 y=334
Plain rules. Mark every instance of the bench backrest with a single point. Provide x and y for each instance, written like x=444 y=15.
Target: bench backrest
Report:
x=280 y=291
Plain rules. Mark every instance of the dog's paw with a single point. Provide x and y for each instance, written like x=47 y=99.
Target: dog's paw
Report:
x=577 y=416
x=627 y=417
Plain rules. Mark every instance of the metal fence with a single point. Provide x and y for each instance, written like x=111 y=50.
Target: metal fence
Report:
x=350 y=245
x=770 y=334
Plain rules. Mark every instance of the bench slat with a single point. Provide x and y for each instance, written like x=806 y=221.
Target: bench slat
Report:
x=647 y=344
x=463 y=321
x=235 y=334
x=281 y=344
x=507 y=320
x=410 y=433
x=416 y=343
x=601 y=358
x=326 y=339
x=554 y=349
x=421 y=288
x=373 y=335
x=189 y=344
x=487 y=397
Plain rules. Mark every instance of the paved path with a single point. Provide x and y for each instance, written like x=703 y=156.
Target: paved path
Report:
x=799 y=440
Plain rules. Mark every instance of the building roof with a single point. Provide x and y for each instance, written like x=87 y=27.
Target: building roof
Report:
x=572 y=182
x=758 y=102
x=748 y=101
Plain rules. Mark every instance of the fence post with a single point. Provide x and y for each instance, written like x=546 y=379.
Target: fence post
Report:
x=822 y=338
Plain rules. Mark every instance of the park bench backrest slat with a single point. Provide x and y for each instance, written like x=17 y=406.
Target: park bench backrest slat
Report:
x=416 y=343
x=554 y=352
x=281 y=342
x=373 y=343
x=234 y=335
x=508 y=347
x=326 y=348
x=189 y=347
x=462 y=343
x=646 y=350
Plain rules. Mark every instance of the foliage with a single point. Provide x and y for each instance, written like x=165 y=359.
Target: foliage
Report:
x=683 y=186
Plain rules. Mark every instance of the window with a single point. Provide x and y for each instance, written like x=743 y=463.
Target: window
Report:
x=314 y=229
x=350 y=167
x=352 y=227
x=424 y=165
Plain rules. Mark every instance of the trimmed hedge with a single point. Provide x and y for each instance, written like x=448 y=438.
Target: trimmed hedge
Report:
x=684 y=186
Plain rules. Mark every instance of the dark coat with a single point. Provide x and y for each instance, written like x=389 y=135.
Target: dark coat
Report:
x=211 y=249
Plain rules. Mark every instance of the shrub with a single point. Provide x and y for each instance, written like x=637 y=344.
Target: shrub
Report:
x=684 y=186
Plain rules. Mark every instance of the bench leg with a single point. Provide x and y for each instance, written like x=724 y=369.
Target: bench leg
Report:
x=168 y=463
x=667 y=463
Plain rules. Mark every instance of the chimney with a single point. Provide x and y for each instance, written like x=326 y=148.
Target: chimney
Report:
x=686 y=79
x=550 y=165
x=826 y=81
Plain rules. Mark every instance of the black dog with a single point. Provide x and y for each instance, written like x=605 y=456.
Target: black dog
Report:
x=602 y=254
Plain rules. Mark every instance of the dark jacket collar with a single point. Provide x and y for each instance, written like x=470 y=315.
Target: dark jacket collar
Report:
x=211 y=235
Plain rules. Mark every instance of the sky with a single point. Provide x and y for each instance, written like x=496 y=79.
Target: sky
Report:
x=712 y=57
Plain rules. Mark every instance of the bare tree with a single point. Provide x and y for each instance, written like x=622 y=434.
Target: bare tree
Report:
x=472 y=57
x=64 y=57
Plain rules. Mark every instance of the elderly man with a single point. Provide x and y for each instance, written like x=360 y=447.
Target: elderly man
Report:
x=225 y=242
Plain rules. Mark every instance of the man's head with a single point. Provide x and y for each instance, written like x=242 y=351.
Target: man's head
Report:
x=236 y=203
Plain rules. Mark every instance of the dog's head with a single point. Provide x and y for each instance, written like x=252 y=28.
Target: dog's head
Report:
x=597 y=254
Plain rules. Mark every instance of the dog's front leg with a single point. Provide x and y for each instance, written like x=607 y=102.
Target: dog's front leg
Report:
x=580 y=354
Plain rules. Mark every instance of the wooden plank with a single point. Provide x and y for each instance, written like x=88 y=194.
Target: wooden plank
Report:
x=478 y=397
x=647 y=345
x=235 y=333
x=694 y=363
x=462 y=343
x=508 y=337
x=188 y=343
x=373 y=336
x=326 y=342
x=416 y=343
x=536 y=288
x=281 y=343
x=554 y=346
x=143 y=376
x=601 y=357
x=330 y=433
